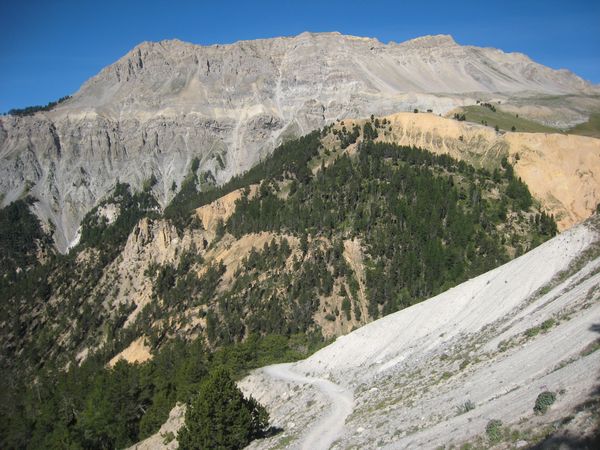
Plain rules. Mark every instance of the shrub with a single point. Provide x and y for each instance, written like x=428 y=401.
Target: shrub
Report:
x=494 y=431
x=544 y=401
x=168 y=437
x=531 y=332
x=547 y=324
x=465 y=407
x=346 y=306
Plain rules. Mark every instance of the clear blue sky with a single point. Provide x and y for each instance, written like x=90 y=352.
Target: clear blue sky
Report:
x=49 y=48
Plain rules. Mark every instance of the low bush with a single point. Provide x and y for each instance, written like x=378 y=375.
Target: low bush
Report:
x=544 y=401
x=494 y=431
x=465 y=407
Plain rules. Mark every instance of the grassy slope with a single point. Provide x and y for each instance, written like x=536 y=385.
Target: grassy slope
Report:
x=504 y=120
x=589 y=128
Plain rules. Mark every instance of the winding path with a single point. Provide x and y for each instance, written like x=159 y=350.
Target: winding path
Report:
x=329 y=427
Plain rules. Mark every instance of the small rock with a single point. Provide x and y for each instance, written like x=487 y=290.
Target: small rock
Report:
x=291 y=424
x=521 y=444
x=360 y=429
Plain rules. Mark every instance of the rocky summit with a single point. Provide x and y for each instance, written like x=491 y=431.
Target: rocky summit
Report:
x=151 y=113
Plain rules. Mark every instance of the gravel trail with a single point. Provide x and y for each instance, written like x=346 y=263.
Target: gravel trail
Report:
x=328 y=428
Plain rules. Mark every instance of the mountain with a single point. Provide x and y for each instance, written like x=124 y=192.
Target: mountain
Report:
x=203 y=234
x=330 y=232
x=164 y=104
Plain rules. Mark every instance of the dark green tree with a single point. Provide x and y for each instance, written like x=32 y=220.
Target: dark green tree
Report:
x=220 y=417
x=369 y=132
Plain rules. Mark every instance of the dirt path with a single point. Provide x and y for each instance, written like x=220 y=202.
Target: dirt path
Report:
x=329 y=427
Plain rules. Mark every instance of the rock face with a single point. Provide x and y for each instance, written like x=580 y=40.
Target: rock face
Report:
x=165 y=103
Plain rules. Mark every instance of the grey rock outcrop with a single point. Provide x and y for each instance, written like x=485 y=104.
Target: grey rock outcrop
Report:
x=164 y=104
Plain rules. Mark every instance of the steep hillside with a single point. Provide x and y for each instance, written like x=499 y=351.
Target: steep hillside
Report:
x=163 y=104
x=465 y=367
x=561 y=171
x=23 y=240
x=330 y=232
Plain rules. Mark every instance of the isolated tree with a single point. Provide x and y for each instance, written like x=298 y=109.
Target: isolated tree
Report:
x=220 y=417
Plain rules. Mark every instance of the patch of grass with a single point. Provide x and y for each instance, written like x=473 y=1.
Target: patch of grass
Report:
x=464 y=363
x=590 y=128
x=505 y=345
x=547 y=324
x=533 y=331
x=284 y=442
x=505 y=121
x=494 y=431
x=544 y=327
x=380 y=424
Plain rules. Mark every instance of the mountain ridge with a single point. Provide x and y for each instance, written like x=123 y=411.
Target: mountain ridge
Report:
x=163 y=104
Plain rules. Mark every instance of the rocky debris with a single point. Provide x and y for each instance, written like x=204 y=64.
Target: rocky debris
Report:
x=437 y=373
x=166 y=438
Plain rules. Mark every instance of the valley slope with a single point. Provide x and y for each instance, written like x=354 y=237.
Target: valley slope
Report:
x=330 y=232
x=437 y=373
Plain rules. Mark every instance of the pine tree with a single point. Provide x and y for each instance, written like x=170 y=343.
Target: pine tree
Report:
x=220 y=417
